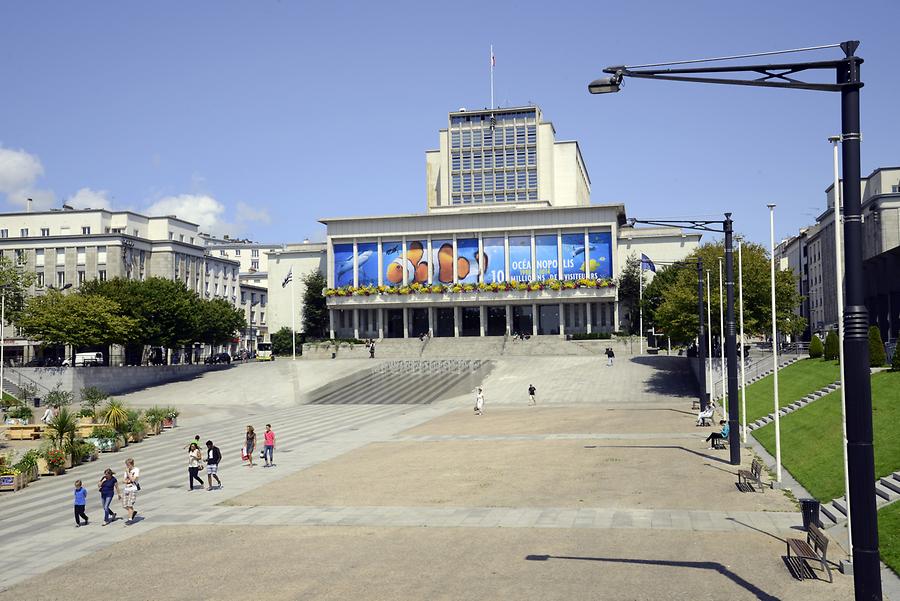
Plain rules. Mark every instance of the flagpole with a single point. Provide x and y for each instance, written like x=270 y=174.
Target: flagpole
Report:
x=641 y=308
x=709 y=355
x=775 y=346
x=722 y=343
x=492 y=77
x=293 y=320
x=743 y=374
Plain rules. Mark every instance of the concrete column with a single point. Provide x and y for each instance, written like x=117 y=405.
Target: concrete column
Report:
x=456 y=322
x=405 y=321
x=355 y=265
x=331 y=322
x=508 y=319
x=533 y=256
x=534 y=320
x=455 y=263
x=482 y=316
x=588 y=317
x=559 y=263
x=405 y=264
x=380 y=318
x=430 y=258
x=480 y=262
x=380 y=259
x=506 y=257
x=430 y=316
x=356 y=323
x=562 y=320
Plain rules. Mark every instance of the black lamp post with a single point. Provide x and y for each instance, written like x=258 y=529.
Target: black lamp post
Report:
x=861 y=460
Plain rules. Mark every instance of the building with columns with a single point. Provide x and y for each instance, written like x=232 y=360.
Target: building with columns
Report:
x=508 y=207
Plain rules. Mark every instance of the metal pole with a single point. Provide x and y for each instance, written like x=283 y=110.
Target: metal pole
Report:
x=709 y=334
x=722 y=345
x=701 y=334
x=293 y=322
x=734 y=434
x=839 y=278
x=861 y=459
x=775 y=345
x=641 y=308
x=2 y=338
x=743 y=373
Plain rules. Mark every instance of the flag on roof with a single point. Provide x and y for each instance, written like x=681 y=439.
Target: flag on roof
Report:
x=289 y=278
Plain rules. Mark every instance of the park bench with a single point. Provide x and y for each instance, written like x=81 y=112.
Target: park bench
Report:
x=754 y=475
x=29 y=432
x=814 y=548
x=720 y=444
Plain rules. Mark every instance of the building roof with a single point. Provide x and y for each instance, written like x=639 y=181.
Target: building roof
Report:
x=108 y=212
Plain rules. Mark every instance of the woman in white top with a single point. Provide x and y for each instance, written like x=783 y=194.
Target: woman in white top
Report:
x=479 y=401
x=195 y=462
x=132 y=486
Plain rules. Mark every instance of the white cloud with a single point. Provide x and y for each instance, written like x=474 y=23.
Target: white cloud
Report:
x=19 y=170
x=202 y=209
x=247 y=213
x=86 y=198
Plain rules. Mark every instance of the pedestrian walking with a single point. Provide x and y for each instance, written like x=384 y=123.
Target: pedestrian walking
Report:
x=269 y=449
x=213 y=457
x=195 y=441
x=250 y=444
x=195 y=462
x=130 y=490
x=109 y=487
x=531 y=391
x=479 y=401
x=610 y=355
x=372 y=350
x=80 y=502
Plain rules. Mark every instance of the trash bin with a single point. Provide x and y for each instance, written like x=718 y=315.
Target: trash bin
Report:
x=334 y=355
x=37 y=402
x=810 y=510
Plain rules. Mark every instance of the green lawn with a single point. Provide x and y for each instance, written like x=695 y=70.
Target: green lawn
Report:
x=811 y=438
x=889 y=536
x=794 y=382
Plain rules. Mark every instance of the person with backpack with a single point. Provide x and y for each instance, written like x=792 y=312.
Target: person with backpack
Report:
x=610 y=355
x=213 y=457
x=531 y=391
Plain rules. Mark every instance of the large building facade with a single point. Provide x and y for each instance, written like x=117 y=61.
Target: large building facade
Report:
x=509 y=243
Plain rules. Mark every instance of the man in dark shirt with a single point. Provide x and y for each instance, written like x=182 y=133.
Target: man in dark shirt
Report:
x=213 y=457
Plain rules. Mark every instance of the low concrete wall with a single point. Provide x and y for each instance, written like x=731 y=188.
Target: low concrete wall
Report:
x=112 y=380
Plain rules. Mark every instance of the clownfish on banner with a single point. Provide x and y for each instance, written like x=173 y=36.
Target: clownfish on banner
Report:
x=418 y=266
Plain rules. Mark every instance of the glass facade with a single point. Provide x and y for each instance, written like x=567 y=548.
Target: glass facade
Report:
x=493 y=157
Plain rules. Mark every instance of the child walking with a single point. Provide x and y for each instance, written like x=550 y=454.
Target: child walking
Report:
x=80 y=502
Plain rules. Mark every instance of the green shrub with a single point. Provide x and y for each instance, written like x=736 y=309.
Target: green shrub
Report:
x=816 y=348
x=28 y=461
x=59 y=397
x=20 y=412
x=104 y=433
x=91 y=398
x=895 y=360
x=876 y=348
x=832 y=346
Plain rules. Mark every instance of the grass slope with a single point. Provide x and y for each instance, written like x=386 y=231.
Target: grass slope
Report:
x=889 y=536
x=811 y=438
x=794 y=382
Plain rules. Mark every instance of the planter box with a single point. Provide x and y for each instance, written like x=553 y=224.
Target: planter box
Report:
x=44 y=468
x=170 y=422
x=12 y=482
x=135 y=437
x=86 y=421
x=105 y=445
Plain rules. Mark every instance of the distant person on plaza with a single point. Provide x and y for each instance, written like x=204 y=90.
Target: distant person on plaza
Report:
x=195 y=441
x=610 y=355
x=723 y=435
x=109 y=487
x=132 y=486
x=250 y=444
x=704 y=416
x=48 y=414
x=372 y=350
x=479 y=401
x=80 y=502
x=213 y=457
x=195 y=462
x=531 y=391
x=269 y=449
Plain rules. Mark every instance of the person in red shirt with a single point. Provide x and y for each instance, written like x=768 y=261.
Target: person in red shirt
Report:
x=269 y=449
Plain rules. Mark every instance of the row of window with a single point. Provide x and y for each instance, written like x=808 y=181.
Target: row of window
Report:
x=85 y=231
x=80 y=256
x=254 y=252
x=496 y=159
x=61 y=278
x=498 y=136
x=502 y=117
x=482 y=198
x=490 y=181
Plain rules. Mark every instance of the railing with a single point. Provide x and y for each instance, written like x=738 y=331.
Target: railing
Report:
x=23 y=382
x=755 y=368
x=413 y=366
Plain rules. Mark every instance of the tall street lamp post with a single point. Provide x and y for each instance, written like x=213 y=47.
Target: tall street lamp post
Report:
x=722 y=343
x=742 y=343
x=860 y=452
x=777 y=411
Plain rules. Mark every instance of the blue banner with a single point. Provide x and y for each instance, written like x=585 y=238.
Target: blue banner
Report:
x=343 y=265
x=494 y=260
x=573 y=256
x=467 y=260
x=442 y=261
x=520 y=258
x=367 y=263
x=600 y=251
x=546 y=256
x=391 y=257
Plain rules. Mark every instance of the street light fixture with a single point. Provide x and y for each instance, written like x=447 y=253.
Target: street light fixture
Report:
x=860 y=451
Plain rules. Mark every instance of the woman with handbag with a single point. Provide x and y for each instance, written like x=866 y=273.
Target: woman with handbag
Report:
x=195 y=462
x=250 y=444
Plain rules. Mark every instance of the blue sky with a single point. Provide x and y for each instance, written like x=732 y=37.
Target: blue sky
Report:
x=258 y=118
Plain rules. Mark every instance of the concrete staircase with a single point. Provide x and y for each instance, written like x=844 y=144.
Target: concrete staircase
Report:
x=813 y=396
x=887 y=490
x=12 y=389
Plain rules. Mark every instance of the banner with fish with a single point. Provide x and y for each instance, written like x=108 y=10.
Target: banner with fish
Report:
x=600 y=245
x=546 y=257
x=343 y=265
x=367 y=263
x=391 y=257
x=494 y=259
x=468 y=266
x=573 y=256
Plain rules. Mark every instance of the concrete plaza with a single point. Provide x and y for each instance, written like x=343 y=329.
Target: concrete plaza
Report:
x=615 y=498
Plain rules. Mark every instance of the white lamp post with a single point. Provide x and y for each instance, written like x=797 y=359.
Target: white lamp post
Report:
x=839 y=278
x=722 y=344
x=709 y=355
x=775 y=345
x=741 y=306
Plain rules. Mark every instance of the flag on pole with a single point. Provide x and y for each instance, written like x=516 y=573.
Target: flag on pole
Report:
x=647 y=264
x=289 y=278
x=493 y=59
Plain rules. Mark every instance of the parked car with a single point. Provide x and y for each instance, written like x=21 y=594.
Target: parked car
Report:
x=85 y=360
x=218 y=358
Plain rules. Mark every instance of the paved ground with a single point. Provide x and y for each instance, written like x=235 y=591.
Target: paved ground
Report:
x=588 y=500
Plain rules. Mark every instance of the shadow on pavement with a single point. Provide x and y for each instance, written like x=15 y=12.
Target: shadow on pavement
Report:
x=699 y=565
x=664 y=446
x=671 y=376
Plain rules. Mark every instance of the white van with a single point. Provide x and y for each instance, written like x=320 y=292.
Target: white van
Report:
x=86 y=360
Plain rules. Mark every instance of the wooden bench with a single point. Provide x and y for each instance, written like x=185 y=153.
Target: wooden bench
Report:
x=754 y=475
x=814 y=548
x=29 y=432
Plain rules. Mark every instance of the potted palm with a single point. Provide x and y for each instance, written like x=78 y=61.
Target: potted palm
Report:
x=135 y=427
x=61 y=432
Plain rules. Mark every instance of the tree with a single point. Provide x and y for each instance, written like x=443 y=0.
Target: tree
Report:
x=14 y=281
x=282 y=342
x=895 y=359
x=216 y=321
x=876 y=348
x=816 y=348
x=671 y=300
x=629 y=286
x=315 y=311
x=832 y=346
x=75 y=319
